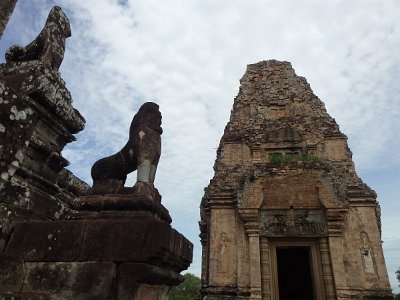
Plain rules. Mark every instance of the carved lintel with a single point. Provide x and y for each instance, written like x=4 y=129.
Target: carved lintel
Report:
x=293 y=222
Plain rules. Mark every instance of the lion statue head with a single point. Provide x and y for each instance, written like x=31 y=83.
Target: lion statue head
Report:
x=148 y=116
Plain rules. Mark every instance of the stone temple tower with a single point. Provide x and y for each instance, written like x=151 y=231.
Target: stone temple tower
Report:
x=285 y=215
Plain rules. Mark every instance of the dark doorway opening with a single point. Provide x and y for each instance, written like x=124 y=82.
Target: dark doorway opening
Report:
x=294 y=273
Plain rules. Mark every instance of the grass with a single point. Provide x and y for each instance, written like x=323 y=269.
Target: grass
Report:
x=277 y=158
x=244 y=177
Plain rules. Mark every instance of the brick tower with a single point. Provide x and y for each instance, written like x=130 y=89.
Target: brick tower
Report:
x=285 y=215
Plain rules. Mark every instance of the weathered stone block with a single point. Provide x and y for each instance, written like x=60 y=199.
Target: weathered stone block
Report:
x=57 y=256
x=11 y=274
x=9 y=215
x=143 y=281
x=126 y=240
x=24 y=296
x=142 y=240
x=150 y=292
x=47 y=240
x=70 y=280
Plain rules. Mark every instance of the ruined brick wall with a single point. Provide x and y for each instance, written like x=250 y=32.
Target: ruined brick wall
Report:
x=284 y=176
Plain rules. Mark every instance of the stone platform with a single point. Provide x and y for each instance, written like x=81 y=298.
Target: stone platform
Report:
x=128 y=254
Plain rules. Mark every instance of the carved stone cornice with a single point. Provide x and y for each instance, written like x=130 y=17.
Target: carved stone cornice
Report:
x=335 y=219
x=203 y=226
x=223 y=200
x=250 y=218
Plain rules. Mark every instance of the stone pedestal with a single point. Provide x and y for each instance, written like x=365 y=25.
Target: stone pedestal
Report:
x=117 y=247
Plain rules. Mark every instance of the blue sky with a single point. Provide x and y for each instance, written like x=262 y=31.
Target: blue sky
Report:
x=189 y=55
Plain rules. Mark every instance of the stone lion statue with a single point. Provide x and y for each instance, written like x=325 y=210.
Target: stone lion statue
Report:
x=141 y=152
x=49 y=45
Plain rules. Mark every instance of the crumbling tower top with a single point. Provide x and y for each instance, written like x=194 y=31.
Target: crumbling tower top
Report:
x=276 y=116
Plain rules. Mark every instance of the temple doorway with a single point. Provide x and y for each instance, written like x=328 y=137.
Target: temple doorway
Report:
x=294 y=273
x=291 y=269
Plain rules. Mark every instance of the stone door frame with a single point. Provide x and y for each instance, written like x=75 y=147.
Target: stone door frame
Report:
x=316 y=265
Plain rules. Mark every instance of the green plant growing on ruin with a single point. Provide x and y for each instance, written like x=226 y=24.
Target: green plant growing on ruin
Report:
x=277 y=158
x=309 y=157
x=252 y=177
x=244 y=177
x=242 y=180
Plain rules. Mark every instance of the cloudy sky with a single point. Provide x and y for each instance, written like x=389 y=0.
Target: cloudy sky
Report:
x=189 y=55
